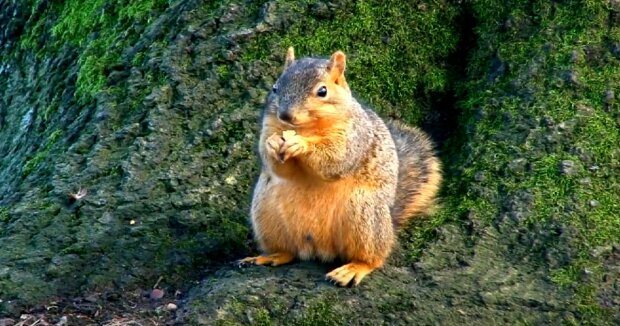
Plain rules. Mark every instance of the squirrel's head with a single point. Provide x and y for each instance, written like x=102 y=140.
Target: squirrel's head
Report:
x=309 y=90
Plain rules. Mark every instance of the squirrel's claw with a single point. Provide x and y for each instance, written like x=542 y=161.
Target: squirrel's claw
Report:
x=245 y=262
x=271 y=260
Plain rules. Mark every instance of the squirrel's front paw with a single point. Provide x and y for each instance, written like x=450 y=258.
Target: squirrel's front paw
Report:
x=274 y=143
x=294 y=145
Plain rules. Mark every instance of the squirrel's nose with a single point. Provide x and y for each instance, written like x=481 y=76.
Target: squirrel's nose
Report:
x=285 y=116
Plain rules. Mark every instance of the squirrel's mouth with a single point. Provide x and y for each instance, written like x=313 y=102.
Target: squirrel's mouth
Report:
x=291 y=123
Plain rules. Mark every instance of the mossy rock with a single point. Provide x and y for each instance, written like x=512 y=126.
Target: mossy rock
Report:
x=455 y=282
x=155 y=114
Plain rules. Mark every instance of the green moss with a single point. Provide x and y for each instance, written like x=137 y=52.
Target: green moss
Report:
x=4 y=214
x=91 y=77
x=138 y=59
x=100 y=29
x=32 y=163
x=397 y=52
x=51 y=109
x=78 y=19
x=321 y=313
x=223 y=72
x=141 y=10
x=261 y=317
x=42 y=154
x=545 y=107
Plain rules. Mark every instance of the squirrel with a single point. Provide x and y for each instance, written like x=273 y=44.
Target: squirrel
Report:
x=336 y=181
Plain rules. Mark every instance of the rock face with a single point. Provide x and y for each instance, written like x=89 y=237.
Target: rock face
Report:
x=152 y=108
x=452 y=283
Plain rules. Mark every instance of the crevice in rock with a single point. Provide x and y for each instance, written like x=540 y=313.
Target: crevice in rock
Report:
x=442 y=119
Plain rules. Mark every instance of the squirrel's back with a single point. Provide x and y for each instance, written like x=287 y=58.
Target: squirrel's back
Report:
x=419 y=172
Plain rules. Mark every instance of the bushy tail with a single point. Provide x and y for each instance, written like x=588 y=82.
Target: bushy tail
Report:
x=419 y=173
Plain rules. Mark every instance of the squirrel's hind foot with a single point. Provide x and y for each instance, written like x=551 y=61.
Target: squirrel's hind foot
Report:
x=349 y=273
x=276 y=259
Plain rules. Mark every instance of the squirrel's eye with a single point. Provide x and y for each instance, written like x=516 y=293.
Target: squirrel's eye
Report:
x=274 y=89
x=322 y=92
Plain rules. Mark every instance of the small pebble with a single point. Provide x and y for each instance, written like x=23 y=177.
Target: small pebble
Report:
x=574 y=56
x=548 y=121
x=62 y=322
x=567 y=167
x=573 y=78
x=171 y=307
x=585 y=181
x=593 y=203
x=90 y=298
x=517 y=165
x=562 y=126
x=609 y=96
x=157 y=294
x=584 y=110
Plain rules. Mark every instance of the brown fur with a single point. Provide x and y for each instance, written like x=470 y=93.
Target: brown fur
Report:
x=419 y=173
x=330 y=174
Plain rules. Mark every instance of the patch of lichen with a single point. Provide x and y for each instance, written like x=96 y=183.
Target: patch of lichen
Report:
x=542 y=132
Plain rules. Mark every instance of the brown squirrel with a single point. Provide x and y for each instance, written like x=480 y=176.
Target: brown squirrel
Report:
x=336 y=181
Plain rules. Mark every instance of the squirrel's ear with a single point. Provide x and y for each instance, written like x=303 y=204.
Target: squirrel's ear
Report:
x=335 y=68
x=290 y=57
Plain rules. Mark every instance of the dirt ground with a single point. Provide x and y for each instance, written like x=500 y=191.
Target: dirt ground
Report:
x=138 y=308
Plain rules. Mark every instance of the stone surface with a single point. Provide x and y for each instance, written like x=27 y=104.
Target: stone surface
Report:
x=151 y=107
x=453 y=283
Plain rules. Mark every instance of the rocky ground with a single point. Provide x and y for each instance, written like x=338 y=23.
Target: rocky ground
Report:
x=151 y=107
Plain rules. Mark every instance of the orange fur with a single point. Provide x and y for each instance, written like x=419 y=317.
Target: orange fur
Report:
x=355 y=272
x=276 y=259
x=303 y=213
x=321 y=131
